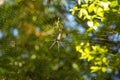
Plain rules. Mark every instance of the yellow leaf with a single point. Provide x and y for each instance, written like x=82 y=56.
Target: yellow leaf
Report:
x=90 y=58
x=84 y=11
x=94 y=68
x=91 y=8
x=105 y=5
x=84 y=5
x=100 y=12
x=98 y=63
x=89 y=17
x=72 y=11
x=77 y=48
x=114 y=3
x=80 y=14
x=96 y=23
x=104 y=69
x=87 y=44
x=104 y=59
x=87 y=50
x=94 y=48
x=86 y=1
x=81 y=43
x=75 y=8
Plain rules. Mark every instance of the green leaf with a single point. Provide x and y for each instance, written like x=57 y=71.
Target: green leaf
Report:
x=91 y=8
x=78 y=48
x=98 y=62
x=96 y=23
x=94 y=68
x=75 y=66
x=90 y=58
x=104 y=69
x=79 y=2
x=90 y=30
x=114 y=4
x=84 y=5
x=84 y=12
x=80 y=14
x=72 y=11
x=100 y=12
x=87 y=50
x=87 y=1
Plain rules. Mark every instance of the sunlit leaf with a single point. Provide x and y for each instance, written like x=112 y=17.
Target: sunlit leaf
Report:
x=105 y=5
x=96 y=23
x=77 y=48
x=94 y=68
x=80 y=14
x=79 y=2
x=104 y=69
x=90 y=29
x=100 y=12
x=90 y=58
x=98 y=62
x=87 y=50
x=114 y=3
x=85 y=5
x=90 y=23
x=72 y=11
x=91 y=8
x=94 y=48
x=83 y=13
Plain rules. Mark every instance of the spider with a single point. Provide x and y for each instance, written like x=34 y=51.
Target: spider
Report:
x=57 y=41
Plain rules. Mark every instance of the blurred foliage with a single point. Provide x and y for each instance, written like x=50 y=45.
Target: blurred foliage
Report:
x=95 y=55
x=102 y=18
x=29 y=27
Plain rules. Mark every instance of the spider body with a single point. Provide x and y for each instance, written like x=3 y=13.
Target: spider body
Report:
x=58 y=41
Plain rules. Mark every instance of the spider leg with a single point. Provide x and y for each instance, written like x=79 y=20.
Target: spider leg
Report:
x=58 y=45
x=61 y=44
x=52 y=44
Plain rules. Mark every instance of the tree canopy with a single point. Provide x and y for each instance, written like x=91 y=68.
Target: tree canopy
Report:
x=59 y=39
